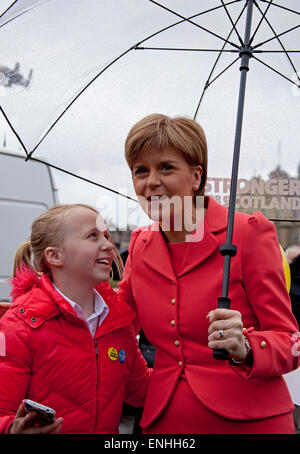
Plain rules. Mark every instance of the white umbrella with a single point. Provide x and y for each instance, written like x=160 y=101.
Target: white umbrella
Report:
x=77 y=75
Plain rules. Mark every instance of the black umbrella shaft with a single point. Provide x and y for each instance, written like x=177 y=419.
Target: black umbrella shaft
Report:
x=234 y=177
x=228 y=249
x=245 y=53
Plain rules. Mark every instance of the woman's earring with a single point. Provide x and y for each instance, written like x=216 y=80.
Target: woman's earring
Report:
x=195 y=187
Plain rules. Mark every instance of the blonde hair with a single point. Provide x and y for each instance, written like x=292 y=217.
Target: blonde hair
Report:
x=160 y=131
x=46 y=231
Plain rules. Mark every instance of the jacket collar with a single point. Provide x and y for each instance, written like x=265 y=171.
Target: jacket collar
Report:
x=216 y=215
x=155 y=251
x=36 y=300
x=120 y=314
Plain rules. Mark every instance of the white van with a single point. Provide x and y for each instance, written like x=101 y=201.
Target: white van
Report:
x=26 y=190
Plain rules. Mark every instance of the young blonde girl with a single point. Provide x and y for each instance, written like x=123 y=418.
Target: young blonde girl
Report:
x=70 y=343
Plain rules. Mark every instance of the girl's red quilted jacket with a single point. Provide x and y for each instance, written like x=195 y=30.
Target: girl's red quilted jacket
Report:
x=50 y=356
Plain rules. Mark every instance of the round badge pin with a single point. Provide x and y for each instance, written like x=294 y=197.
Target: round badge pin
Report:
x=113 y=353
x=122 y=356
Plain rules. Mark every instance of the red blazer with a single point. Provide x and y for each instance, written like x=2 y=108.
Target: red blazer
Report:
x=257 y=289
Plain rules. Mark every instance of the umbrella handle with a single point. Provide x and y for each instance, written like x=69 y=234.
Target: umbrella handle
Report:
x=220 y=353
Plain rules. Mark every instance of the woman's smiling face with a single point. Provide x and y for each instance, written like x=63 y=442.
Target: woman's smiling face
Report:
x=161 y=176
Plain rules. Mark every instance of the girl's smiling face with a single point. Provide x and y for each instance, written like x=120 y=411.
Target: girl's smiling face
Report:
x=161 y=175
x=87 y=253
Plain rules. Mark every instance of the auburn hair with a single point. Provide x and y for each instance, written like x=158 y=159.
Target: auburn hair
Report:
x=158 y=131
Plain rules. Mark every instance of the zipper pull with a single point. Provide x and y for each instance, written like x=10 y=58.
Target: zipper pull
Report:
x=96 y=347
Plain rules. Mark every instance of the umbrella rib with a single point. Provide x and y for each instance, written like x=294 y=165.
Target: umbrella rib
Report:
x=193 y=23
x=186 y=49
x=21 y=13
x=275 y=51
x=283 y=220
x=163 y=30
x=209 y=82
x=14 y=131
x=222 y=72
x=77 y=96
x=275 y=70
x=232 y=23
x=261 y=19
x=282 y=46
x=8 y=8
x=184 y=20
x=274 y=37
x=81 y=178
x=280 y=6
x=215 y=64
x=110 y=64
x=181 y=21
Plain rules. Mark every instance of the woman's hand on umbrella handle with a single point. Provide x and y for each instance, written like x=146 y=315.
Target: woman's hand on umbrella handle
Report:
x=226 y=332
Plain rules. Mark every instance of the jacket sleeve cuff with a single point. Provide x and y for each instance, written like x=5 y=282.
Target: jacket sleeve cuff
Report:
x=6 y=426
x=246 y=369
x=262 y=354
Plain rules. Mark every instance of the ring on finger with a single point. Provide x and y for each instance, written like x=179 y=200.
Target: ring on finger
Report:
x=221 y=333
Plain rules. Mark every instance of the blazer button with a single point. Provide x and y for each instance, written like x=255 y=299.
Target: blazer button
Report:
x=179 y=363
x=172 y=322
x=263 y=344
x=22 y=311
x=173 y=282
x=173 y=301
x=177 y=343
x=33 y=319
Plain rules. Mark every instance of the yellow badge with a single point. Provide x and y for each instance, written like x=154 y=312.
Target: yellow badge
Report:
x=113 y=353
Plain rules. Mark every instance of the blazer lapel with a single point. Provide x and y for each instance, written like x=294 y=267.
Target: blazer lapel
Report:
x=155 y=253
x=199 y=249
x=205 y=241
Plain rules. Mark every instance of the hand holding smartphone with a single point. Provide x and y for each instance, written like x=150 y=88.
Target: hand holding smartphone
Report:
x=35 y=418
x=45 y=415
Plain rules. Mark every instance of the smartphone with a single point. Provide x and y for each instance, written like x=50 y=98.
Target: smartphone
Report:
x=46 y=415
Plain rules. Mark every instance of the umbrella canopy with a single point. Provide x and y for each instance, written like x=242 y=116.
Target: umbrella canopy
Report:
x=75 y=76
